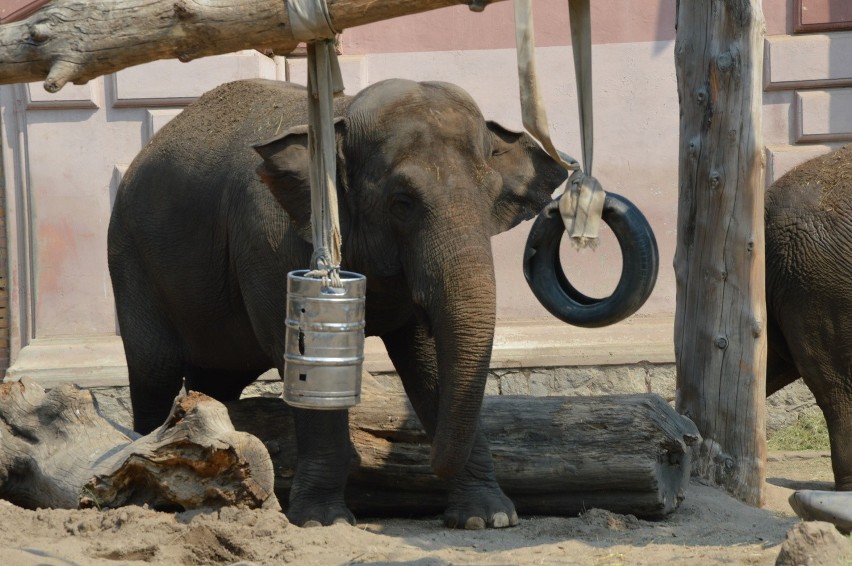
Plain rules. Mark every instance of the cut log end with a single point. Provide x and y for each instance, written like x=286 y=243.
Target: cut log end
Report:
x=56 y=451
x=180 y=476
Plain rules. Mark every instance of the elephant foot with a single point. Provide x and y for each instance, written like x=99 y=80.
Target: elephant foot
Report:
x=319 y=513
x=479 y=506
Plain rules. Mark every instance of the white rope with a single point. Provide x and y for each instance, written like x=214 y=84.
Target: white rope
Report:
x=581 y=206
x=310 y=22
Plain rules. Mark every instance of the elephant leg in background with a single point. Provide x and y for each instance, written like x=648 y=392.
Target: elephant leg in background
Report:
x=781 y=371
x=152 y=348
x=823 y=360
x=222 y=385
x=155 y=373
x=833 y=393
x=324 y=457
x=475 y=498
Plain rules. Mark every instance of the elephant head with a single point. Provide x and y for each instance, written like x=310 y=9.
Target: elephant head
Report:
x=424 y=182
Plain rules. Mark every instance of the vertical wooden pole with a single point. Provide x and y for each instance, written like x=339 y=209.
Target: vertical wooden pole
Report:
x=720 y=317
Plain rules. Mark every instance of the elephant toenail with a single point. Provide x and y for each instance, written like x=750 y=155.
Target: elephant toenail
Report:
x=500 y=520
x=341 y=521
x=311 y=523
x=474 y=524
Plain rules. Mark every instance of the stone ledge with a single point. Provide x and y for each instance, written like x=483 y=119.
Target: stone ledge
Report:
x=88 y=361
x=554 y=343
x=99 y=360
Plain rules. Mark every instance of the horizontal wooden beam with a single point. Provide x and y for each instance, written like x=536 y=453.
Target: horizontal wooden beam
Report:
x=76 y=41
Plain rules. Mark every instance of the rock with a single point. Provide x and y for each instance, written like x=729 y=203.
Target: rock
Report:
x=814 y=543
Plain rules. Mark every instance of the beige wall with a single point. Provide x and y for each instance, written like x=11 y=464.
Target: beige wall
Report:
x=64 y=154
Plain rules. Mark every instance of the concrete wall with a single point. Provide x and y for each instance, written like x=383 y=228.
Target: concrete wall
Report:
x=64 y=154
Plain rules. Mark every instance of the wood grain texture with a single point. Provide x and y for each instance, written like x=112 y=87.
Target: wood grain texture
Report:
x=720 y=317
x=553 y=455
x=56 y=451
x=78 y=40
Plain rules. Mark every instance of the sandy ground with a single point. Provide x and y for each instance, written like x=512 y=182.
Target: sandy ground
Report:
x=709 y=528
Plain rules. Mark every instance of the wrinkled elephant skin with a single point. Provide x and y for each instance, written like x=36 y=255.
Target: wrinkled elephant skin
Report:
x=215 y=211
x=809 y=292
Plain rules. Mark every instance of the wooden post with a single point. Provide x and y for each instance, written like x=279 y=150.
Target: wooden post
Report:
x=720 y=317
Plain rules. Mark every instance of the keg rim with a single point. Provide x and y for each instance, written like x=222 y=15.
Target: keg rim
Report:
x=345 y=276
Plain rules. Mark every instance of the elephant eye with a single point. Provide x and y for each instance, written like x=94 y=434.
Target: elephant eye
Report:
x=402 y=205
x=499 y=148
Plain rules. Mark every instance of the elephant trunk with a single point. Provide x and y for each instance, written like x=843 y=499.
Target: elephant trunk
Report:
x=462 y=316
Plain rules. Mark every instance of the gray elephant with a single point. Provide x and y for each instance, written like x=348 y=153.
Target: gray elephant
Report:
x=809 y=293
x=199 y=250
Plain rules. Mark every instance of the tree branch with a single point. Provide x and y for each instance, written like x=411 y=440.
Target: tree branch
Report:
x=78 y=40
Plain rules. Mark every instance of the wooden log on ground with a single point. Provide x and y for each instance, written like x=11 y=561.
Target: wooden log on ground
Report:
x=76 y=41
x=553 y=455
x=56 y=451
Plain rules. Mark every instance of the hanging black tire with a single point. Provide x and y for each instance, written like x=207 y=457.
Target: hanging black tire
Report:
x=640 y=264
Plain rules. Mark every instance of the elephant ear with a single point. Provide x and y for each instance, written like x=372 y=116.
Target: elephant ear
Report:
x=529 y=176
x=285 y=170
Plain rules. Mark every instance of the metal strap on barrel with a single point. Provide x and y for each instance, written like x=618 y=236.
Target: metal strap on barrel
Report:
x=582 y=205
x=311 y=23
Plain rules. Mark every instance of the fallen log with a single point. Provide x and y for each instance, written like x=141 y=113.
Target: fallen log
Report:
x=76 y=41
x=57 y=451
x=553 y=455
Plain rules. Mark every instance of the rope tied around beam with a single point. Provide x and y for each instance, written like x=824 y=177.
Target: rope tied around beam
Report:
x=312 y=24
x=581 y=207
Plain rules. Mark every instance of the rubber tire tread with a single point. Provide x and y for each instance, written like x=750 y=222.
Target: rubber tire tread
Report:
x=640 y=266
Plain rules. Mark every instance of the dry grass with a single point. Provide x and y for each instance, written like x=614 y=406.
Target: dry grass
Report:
x=808 y=433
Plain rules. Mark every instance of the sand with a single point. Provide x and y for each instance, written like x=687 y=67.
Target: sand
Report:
x=709 y=528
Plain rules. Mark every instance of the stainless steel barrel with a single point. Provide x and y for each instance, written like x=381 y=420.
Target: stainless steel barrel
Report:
x=325 y=341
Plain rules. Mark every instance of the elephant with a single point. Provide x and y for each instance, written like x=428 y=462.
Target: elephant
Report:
x=214 y=212
x=808 y=218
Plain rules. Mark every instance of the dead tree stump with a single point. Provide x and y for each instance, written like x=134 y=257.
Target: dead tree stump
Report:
x=56 y=451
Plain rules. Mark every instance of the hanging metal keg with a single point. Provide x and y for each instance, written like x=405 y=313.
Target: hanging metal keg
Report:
x=324 y=351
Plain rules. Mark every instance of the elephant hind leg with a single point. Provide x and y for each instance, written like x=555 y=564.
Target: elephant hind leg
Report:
x=155 y=369
x=222 y=385
x=829 y=377
x=781 y=371
x=152 y=346
x=838 y=418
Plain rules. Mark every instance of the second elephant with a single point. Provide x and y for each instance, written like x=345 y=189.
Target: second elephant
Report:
x=809 y=293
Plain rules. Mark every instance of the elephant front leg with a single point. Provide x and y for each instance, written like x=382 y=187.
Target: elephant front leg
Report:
x=324 y=456
x=476 y=500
